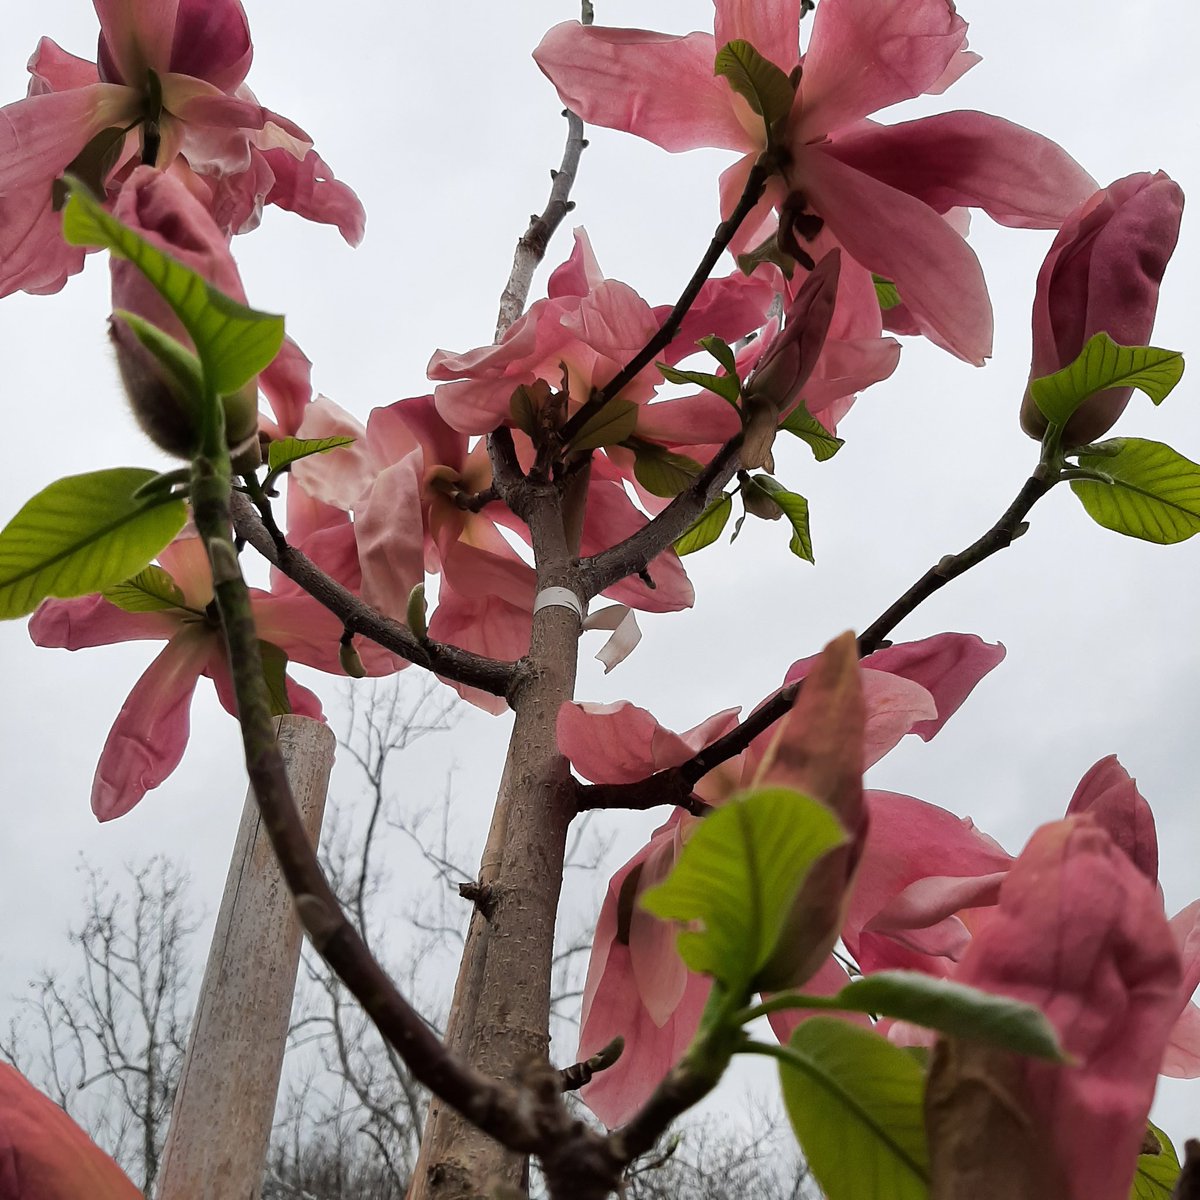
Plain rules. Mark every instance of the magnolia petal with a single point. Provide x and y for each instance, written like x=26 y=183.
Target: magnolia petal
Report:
x=136 y=36
x=867 y=54
x=903 y=239
x=1109 y=795
x=828 y=980
x=772 y=27
x=44 y=1155
x=581 y=271
x=93 y=621
x=212 y=42
x=343 y=477
x=54 y=69
x=287 y=385
x=391 y=543
x=309 y=188
x=488 y=626
x=655 y=85
x=150 y=733
x=972 y=159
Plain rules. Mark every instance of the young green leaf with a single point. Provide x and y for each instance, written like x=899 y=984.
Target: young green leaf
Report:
x=285 y=451
x=180 y=363
x=1104 y=364
x=739 y=875
x=1154 y=494
x=80 y=535
x=795 y=508
x=855 y=1102
x=1156 y=1173
x=232 y=341
x=707 y=527
x=950 y=1008
x=802 y=424
x=275 y=661
x=662 y=472
x=886 y=292
x=725 y=386
x=721 y=350
x=764 y=86
x=615 y=422
x=151 y=590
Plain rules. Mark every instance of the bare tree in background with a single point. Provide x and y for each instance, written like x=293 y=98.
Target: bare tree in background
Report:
x=108 y=1043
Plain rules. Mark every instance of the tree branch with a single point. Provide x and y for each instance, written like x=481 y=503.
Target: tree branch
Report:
x=463 y=666
x=751 y=194
x=674 y=784
x=636 y=552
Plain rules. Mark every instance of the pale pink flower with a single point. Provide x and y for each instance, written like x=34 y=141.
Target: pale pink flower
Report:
x=880 y=190
x=200 y=51
x=150 y=733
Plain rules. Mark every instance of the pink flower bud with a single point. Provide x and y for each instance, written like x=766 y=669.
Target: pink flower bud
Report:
x=1102 y=275
x=161 y=209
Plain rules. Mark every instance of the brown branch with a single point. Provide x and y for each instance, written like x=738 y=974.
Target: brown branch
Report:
x=531 y=248
x=638 y=551
x=674 y=784
x=463 y=666
x=572 y=1078
x=756 y=181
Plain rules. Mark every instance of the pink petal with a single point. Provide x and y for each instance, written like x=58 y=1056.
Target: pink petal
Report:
x=488 y=626
x=655 y=85
x=772 y=27
x=186 y=561
x=309 y=188
x=55 y=70
x=39 y=136
x=287 y=385
x=972 y=159
x=828 y=980
x=621 y=743
x=44 y=1155
x=135 y=37
x=390 y=534
x=927 y=903
x=212 y=42
x=580 y=273
x=867 y=54
x=150 y=733
x=93 y=621
x=902 y=239
x=1182 y=1057
x=341 y=478
x=660 y=975
x=947 y=665
x=1110 y=797
x=729 y=307
x=1080 y=932
x=701 y=420
x=33 y=256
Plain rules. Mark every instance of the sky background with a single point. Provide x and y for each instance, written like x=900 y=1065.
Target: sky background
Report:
x=436 y=115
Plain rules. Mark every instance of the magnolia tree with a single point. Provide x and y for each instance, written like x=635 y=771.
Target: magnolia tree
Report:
x=918 y=983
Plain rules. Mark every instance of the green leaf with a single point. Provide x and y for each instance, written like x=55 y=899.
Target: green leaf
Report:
x=765 y=87
x=738 y=875
x=886 y=292
x=1156 y=1173
x=951 y=1008
x=721 y=350
x=80 y=535
x=855 y=1102
x=802 y=424
x=1154 y=494
x=795 y=508
x=725 y=386
x=707 y=527
x=233 y=342
x=1104 y=364
x=615 y=422
x=151 y=590
x=288 y=450
x=275 y=661
x=662 y=472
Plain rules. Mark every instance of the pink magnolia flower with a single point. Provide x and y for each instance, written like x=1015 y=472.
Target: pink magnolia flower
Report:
x=593 y=326
x=200 y=52
x=881 y=191
x=44 y=1155
x=1079 y=932
x=1102 y=275
x=150 y=733
x=637 y=984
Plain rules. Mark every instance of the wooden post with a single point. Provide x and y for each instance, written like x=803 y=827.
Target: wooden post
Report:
x=221 y=1123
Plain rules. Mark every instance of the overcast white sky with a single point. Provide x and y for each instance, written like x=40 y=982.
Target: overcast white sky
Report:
x=440 y=120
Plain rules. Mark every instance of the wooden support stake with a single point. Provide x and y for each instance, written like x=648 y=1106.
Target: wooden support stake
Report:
x=221 y=1123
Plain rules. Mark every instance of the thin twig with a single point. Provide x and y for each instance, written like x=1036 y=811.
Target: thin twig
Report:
x=463 y=666
x=572 y=1078
x=751 y=194
x=674 y=784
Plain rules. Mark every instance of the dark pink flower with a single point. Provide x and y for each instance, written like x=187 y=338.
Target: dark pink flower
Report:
x=1102 y=276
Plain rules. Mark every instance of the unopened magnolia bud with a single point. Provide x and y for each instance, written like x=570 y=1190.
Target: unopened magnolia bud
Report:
x=759 y=502
x=160 y=403
x=416 y=612
x=351 y=663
